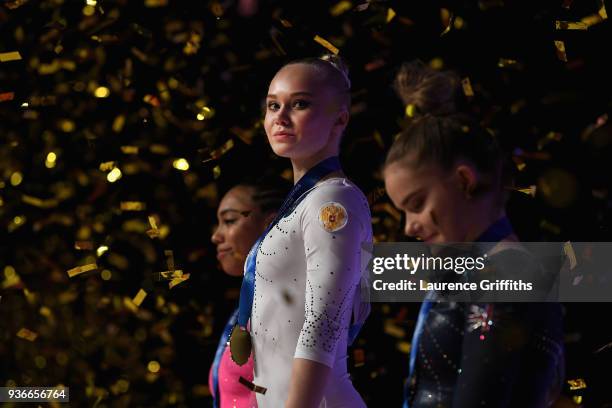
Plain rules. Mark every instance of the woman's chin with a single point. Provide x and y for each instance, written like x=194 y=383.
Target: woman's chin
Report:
x=282 y=150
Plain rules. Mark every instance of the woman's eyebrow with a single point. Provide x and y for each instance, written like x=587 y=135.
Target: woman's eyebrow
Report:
x=241 y=212
x=293 y=94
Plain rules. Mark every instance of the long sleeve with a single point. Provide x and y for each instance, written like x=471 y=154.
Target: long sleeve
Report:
x=334 y=223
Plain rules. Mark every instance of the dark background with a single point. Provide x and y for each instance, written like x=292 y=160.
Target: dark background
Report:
x=162 y=62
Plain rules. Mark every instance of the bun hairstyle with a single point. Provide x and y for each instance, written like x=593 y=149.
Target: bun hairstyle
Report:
x=427 y=90
x=333 y=71
x=440 y=135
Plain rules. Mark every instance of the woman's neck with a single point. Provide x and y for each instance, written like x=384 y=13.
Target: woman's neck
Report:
x=488 y=221
x=302 y=165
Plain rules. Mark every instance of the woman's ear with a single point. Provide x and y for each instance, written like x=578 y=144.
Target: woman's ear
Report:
x=343 y=118
x=467 y=178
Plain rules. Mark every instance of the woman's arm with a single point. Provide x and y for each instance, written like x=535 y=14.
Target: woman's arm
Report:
x=308 y=382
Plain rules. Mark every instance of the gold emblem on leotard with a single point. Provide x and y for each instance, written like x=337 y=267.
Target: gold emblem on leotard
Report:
x=332 y=216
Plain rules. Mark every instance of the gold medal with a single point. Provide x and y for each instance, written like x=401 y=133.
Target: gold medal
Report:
x=240 y=345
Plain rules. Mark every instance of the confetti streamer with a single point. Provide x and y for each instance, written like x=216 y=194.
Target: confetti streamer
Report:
x=133 y=206
x=531 y=190
x=27 y=334
x=570 y=25
x=447 y=19
x=602 y=10
x=81 y=269
x=153 y=232
x=217 y=153
x=7 y=96
x=178 y=280
x=139 y=298
x=330 y=47
x=570 y=253
x=12 y=5
x=576 y=384
x=467 y=87
x=340 y=8
x=10 y=56
x=129 y=149
x=506 y=62
x=560 y=47
x=83 y=245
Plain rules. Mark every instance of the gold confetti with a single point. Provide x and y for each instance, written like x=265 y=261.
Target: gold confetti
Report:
x=178 y=280
x=217 y=153
x=602 y=11
x=216 y=172
x=576 y=384
x=570 y=25
x=467 y=87
x=181 y=164
x=118 y=123
x=26 y=334
x=394 y=330
x=531 y=190
x=37 y=202
x=570 y=253
x=129 y=149
x=410 y=110
x=151 y=100
x=66 y=125
x=81 y=269
x=286 y=23
x=159 y=149
x=113 y=175
x=140 y=296
x=168 y=275
x=340 y=8
x=10 y=56
x=7 y=96
x=83 y=245
x=133 y=206
x=156 y=3
x=106 y=166
x=330 y=47
x=12 y=5
x=404 y=347
x=560 y=47
x=447 y=19
x=217 y=9
x=591 y=20
x=154 y=231
x=506 y=62
x=390 y=15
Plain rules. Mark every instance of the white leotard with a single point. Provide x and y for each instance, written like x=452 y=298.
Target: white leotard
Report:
x=306 y=286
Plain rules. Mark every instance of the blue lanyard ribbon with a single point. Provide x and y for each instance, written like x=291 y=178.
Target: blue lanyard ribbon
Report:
x=219 y=353
x=497 y=231
x=296 y=195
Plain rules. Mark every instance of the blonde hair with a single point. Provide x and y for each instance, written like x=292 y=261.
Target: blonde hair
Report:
x=335 y=72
